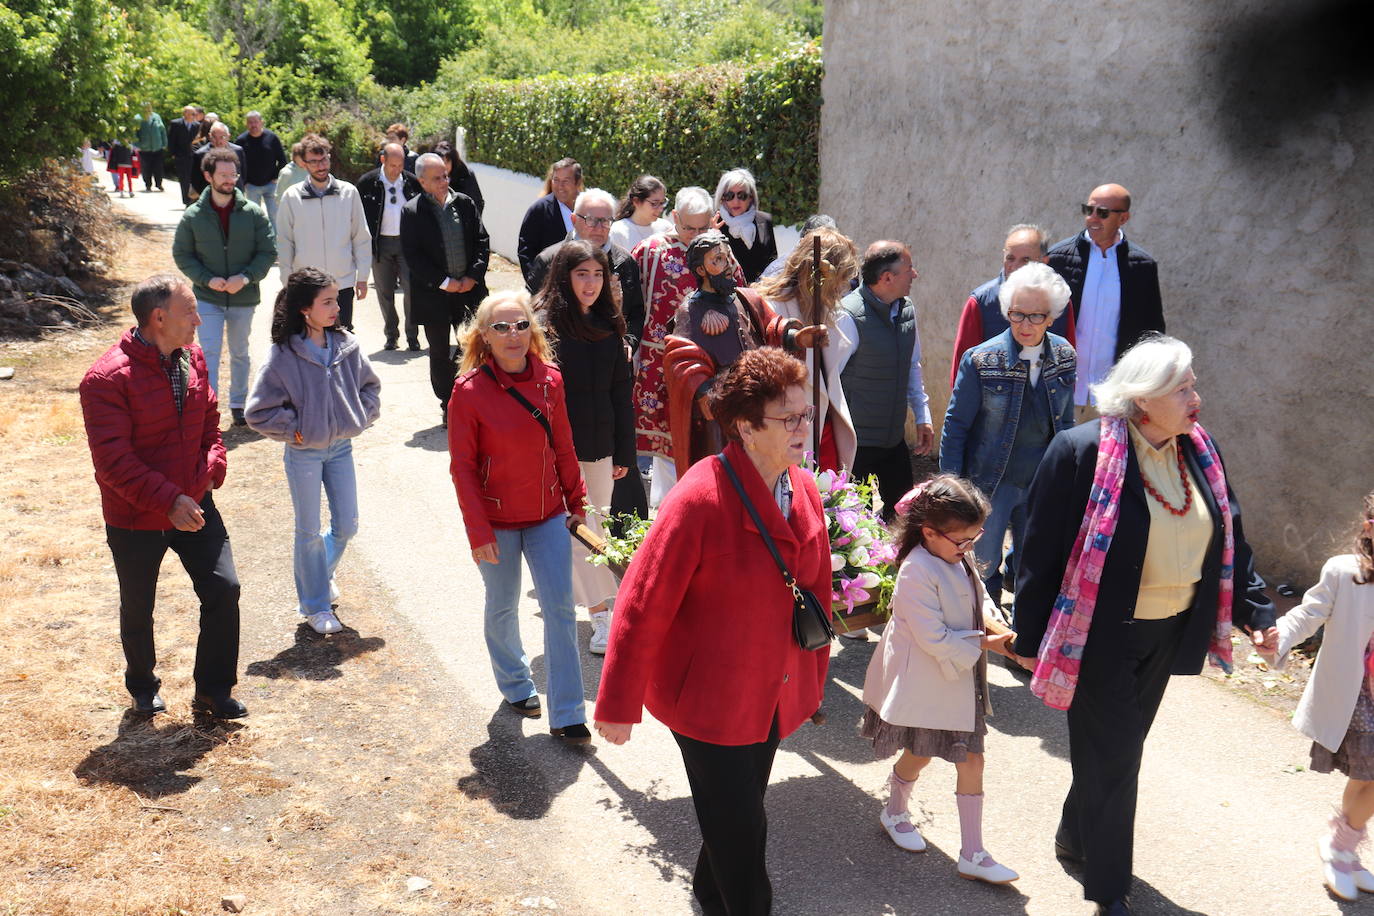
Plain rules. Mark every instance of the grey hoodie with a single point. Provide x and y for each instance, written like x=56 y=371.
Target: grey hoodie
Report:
x=299 y=400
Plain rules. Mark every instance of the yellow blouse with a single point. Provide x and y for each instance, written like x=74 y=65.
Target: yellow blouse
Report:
x=1177 y=544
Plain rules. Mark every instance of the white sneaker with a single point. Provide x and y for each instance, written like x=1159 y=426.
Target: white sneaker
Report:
x=333 y=590
x=601 y=633
x=910 y=840
x=1363 y=879
x=324 y=623
x=983 y=868
x=1338 y=870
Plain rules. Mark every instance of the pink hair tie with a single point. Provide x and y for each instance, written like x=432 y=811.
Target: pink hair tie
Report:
x=905 y=501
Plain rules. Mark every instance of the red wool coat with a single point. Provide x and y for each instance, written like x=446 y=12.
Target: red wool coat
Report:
x=145 y=453
x=703 y=571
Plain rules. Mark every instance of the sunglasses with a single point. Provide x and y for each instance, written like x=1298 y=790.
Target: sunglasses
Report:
x=508 y=327
x=792 y=421
x=1035 y=318
x=736 y=195
x=393 y=194
x=963 y=543
x=1102 y=212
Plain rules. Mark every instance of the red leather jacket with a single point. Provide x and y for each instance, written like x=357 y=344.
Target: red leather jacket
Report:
x=503 y=469
x=145 y=453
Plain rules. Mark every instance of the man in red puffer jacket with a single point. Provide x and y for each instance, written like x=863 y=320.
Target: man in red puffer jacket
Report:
x=152 y=423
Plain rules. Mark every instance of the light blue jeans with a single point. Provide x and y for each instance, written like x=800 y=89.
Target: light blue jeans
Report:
x=1008 y=511
x=547 y=548
x=265 y=196
x=317 y=552
x=238 y=321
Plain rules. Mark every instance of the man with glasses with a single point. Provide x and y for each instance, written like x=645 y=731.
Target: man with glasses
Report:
x=446 y=250
x=384 y=191
x=549 y=219
x=321 y=224
x=1114 y=285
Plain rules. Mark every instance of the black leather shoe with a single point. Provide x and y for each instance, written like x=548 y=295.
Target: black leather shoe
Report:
x=221 y=706
x=528 y=707
x=148 y=703
x=572 y=734
x=1120 y=907
x=413 y=346
x=237 y=413
x=389 y=345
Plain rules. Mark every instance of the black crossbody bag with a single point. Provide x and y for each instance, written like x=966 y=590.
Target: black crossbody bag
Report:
x=525 y=402
x=810 y=624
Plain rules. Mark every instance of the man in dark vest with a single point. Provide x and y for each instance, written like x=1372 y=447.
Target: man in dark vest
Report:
x=883 y=377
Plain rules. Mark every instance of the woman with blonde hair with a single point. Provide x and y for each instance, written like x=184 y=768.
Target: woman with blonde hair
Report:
x=520 y=490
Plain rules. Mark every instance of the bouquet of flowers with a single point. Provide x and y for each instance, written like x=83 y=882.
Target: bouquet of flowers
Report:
x=861 y=554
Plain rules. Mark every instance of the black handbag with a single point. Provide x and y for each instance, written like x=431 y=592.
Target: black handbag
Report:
x=810 y=623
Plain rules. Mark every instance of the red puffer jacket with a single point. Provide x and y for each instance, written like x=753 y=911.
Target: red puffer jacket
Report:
x=145 y=454
x=503 y=469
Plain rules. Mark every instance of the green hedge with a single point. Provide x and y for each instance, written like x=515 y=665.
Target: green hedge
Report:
x=686 y=127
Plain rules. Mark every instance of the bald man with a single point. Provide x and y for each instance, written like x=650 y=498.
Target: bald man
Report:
x=1115 y=288
x=384 y=191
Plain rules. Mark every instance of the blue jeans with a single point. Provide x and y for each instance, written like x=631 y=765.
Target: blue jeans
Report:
x=1008 y=511
x=547 y=548
x=317 y=552
x=265 y=196
x=239 y=322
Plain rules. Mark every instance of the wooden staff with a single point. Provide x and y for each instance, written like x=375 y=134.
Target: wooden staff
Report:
x=816 y=365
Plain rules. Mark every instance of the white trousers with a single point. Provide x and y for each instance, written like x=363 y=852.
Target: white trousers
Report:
x=593 y=584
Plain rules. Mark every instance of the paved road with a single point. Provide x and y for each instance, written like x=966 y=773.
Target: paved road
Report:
x=1227 y=817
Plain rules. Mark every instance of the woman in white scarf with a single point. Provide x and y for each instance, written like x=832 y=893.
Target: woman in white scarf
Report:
x=749 y=229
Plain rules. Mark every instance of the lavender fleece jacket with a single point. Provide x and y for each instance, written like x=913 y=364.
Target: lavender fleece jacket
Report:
x=299 y=400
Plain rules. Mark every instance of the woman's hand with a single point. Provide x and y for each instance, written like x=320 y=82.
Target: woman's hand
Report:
x=614 y=732
x=717 y=222
x=487 y=553
x=574 y=520
x=1025 y=661
x=618 y=471
x=813 y=336
x=998 y=642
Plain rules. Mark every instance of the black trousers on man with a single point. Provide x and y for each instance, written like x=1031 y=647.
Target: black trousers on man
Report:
x=728 y=783
x=443 y=362
x=1119 y=690
x=346 y=308
x=186 y=167
x=206 y=557
x=150 y=161
x=892 y=467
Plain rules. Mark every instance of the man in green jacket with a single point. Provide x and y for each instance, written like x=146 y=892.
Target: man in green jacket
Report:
x=224 y=245
x=152 y=145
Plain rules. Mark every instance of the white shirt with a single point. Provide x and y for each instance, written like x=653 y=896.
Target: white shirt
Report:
x=1033 y=355
x=916 y=397
x=391 y=212
x=567 y=216
x=627 y=233
x=1099 y=314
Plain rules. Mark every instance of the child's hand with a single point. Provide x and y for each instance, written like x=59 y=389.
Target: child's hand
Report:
x=1266 y=641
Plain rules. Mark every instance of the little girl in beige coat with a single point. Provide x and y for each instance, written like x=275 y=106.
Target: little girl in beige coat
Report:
x=926 y=687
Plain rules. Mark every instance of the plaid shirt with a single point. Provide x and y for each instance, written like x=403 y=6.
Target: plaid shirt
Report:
x=177 y=367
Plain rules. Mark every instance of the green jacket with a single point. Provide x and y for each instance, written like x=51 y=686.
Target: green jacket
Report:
x=152 y=133
x=202 y=252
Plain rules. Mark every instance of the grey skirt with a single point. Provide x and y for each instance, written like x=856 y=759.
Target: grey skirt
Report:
x=1355 y=756
x=948 y=745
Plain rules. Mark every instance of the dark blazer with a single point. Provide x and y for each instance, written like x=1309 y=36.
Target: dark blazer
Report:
x=542 y=226
x=181 y=138
x=462 y=180
x=753 y=260
x=1141 y=308
x=597 y=383
x=1058 y=497
x=631 y=293
x=373 y=194
x=422 y=245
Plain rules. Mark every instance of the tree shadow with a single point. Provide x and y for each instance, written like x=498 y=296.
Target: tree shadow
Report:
x=150 y=755
x=520 y=776
x=433 y=439
x=314 y=657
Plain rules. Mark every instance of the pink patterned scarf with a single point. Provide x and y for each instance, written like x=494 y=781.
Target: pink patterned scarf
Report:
x=1061 y=651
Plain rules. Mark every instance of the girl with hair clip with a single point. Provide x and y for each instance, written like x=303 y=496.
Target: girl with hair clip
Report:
x=316 y=392
x=1337 y=708
x=926 y=688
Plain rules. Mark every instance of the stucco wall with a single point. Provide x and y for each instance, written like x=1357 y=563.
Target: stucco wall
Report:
x=1244 y=131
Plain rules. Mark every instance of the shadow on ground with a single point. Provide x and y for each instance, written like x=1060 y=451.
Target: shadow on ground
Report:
x=150 y=755
x=314 y=657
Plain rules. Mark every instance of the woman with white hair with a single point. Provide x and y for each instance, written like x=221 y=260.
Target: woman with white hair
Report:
x=1134 y=567
x=749 y=229
x=1012 y=394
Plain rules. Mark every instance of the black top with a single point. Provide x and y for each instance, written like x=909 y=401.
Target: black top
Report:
x=463 y=181
x=542 y=226
x=263 y=157
x=597 y=383
x=631 y=293
x=1141 y=308
x=764 y=251
x=372 y=192
x=422 y=245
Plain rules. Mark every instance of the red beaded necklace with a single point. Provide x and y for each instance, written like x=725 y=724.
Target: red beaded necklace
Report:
x=1183 y=478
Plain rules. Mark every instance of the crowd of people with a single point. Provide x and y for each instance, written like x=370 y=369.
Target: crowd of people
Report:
x=680 y=363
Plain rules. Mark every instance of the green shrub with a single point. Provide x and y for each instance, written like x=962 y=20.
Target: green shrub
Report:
x=354 y=138
x=684 y=127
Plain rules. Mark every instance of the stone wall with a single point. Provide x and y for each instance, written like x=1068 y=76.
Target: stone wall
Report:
x=1244 y=130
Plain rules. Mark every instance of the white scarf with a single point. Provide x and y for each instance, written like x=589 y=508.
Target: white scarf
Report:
x=742 y=227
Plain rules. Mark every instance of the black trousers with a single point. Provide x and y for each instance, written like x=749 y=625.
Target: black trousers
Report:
x=206 y=557
x=346 y=308
x=150 y=162
x=443 y=364
x=1113 y=708
x=628 y=496
x=892 y=466
x=185 y=166
x=728 y=784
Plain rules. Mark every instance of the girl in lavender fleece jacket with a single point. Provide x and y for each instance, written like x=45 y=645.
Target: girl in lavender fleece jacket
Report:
x=316 y=392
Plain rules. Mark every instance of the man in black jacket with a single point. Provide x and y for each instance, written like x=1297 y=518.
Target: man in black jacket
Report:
x=263 y=160
x=1115 y=288
x=446 y=250
x=181 y=140
x=549 y=219
x=219 y=139
x=384 y=191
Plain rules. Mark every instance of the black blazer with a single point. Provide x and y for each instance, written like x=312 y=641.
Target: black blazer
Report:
x=1142 y=310
x=462 y=180
x=422 y=245
x=181 y=138
x=598 y=386
x=542 y=226
x=631 y=293
x=753 y=260
x=1058 y=497
x=373 y=194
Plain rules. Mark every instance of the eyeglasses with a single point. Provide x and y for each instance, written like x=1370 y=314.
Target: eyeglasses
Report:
x=1102 y=212
x=508 y=327
x=736 y=195
x=657 y=204
x=1035 y=318
x=793 y=420
x=596 y=222
x=963 y=543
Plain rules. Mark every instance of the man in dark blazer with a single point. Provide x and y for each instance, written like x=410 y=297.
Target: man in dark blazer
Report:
x=1114 y=285
x=219 y=139
x=446 y=250
x=181 y=139
x=549 y=219
x=384 y=191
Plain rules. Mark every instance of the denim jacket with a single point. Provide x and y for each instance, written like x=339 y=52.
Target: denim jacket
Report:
x=980 y=424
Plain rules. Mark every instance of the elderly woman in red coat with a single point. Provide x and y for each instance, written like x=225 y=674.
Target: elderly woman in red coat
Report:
x=704 y=563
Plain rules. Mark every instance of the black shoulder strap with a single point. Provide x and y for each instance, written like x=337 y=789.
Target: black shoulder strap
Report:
x=754 y=514
x=524 y=402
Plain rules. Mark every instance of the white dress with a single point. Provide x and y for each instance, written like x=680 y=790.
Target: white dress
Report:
x=627 y=233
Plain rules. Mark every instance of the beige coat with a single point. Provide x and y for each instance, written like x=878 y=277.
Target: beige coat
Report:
x=922 y=673
x=1347 y=609
x=843 y=340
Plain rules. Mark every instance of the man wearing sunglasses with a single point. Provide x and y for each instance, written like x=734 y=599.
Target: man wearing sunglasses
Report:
x=1114 y=287
x=384 y=191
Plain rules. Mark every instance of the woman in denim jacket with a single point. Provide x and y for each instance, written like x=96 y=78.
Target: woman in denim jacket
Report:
x=1011 y=395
